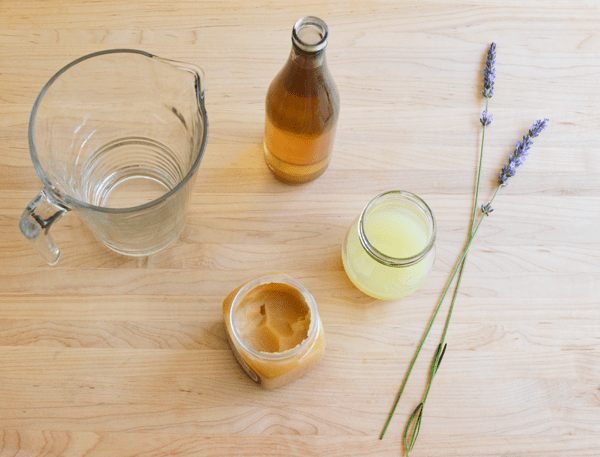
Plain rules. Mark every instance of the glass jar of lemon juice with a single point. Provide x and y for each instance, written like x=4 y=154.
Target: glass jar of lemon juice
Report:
x=389 y=250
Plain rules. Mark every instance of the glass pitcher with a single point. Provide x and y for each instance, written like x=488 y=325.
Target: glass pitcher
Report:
x=117 y=136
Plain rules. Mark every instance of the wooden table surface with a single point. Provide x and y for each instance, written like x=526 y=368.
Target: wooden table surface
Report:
x=104 y=355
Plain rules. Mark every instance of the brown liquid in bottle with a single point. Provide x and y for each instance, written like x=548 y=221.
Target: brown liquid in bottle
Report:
x=302 y=109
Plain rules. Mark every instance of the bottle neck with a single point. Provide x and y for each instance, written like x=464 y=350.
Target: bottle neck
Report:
x=306 y=60
x=309 y=38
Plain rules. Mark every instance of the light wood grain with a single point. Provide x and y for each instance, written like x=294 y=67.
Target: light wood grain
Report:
x=109 y=355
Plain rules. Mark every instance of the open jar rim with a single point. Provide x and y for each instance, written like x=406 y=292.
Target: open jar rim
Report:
x=417 y=204
x=308 y=299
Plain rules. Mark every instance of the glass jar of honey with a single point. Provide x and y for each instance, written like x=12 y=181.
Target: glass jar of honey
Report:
x=274 y=329
x=389 y=250
x=302 y=108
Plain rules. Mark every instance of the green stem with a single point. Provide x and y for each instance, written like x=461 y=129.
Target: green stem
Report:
x=454 y=298
x=473 y=217
x=437 y=359
x=418 y=414
x=487 y=103
x=412 y=363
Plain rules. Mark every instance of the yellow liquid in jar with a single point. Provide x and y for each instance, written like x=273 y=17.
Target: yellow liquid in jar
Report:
x=397 y=231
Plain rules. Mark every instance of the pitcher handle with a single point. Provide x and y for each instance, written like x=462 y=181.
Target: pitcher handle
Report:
x=36 y=220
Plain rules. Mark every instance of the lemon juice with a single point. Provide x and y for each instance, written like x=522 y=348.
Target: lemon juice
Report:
x=389 y=250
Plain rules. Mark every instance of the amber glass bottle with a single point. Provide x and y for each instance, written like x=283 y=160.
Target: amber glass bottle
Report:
x=302 y=108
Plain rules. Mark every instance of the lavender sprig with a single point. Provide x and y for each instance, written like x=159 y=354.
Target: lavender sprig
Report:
x=416 y=417
x=516 y=159
x=486 y=119
x=521 y=152
x=489 y=73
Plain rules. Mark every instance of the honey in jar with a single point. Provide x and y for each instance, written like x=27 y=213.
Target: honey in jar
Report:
x=274 y=329
x=302 y=108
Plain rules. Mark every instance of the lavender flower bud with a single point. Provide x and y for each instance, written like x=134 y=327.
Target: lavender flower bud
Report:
x=507 y=172
x=517 y=158
x=538 y=128
x=489 y=73
x=486 y=119
x=487 y=209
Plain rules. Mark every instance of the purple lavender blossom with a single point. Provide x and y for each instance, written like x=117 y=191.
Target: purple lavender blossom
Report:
x=537 y=128
x=487 y=209
x=489 y=74
x=517 y=158
x=486 y=119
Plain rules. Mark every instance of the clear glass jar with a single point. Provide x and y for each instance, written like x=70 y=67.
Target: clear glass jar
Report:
x=274 y=329
x=389 y=250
